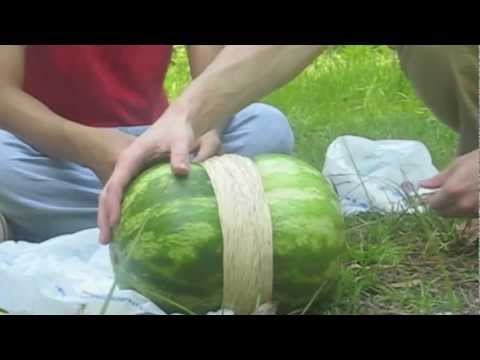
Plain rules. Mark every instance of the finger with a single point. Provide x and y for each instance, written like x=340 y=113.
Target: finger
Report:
x=180 y=158
x=102 y=219
x=437 y=181
x=441 y=203
x=128 y=166
x=207 y=150
x=109 y=211
x=110 y=201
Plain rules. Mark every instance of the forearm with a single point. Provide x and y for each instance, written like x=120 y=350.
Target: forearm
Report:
x=238 y=76
x=41 y=128
x=201 y=56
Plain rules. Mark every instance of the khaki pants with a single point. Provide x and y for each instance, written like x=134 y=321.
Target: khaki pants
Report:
x=446 y=79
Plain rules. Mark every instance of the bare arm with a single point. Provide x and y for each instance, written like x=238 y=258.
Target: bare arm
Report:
x=239 y=75
x=29 y=119
x=201 y=56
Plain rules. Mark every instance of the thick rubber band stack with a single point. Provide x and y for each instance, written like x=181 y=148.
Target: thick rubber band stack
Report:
x=247 y=233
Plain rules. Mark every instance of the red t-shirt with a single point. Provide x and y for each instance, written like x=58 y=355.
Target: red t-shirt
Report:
x=100 y=85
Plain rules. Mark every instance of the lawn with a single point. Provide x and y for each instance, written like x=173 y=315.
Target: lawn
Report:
x=397 y=264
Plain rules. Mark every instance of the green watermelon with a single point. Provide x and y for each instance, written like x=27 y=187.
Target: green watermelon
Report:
x=168 y=245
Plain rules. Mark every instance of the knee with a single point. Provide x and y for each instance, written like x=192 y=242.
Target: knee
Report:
x=269 y=131
x=274 y=127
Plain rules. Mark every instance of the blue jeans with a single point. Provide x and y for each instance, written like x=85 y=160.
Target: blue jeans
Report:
x=42 y=198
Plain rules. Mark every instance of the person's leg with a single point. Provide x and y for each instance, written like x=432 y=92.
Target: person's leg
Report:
x=42 y=198
x=446 y=78
x=258 y=129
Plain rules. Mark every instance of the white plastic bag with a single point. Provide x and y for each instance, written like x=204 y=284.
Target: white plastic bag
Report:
x=71 y=274
x=377 y=176
x=68 y=275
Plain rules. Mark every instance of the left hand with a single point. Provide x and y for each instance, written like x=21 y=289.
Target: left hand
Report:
x=458 y=188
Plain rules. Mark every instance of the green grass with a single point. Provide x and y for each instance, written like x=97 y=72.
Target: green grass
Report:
x=395 y=264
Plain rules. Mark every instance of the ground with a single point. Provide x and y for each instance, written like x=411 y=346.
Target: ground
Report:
x=398 y=264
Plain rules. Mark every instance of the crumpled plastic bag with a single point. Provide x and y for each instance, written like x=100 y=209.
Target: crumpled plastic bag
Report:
x=378 y=176
x=68 y=275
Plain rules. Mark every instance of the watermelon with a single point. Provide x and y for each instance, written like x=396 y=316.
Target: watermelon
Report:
x=168 y=245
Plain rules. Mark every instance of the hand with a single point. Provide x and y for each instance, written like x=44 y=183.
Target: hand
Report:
x=107 y=145
x=208 y=146
x=170 y=137
x=458 y=188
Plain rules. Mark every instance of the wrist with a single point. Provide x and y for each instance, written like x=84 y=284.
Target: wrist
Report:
x=183 y=110
x=196 y=108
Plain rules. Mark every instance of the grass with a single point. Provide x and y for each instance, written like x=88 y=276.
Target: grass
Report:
x=395 y=264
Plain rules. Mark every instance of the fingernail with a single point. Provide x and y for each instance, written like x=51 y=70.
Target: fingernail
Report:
x=183 y=168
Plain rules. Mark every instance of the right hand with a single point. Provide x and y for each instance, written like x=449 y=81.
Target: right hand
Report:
x=107 y=145
x=458 y=188
x=169 y=138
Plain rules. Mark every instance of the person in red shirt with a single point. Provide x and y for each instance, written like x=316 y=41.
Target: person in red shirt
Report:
x=67 y=112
